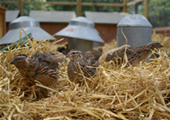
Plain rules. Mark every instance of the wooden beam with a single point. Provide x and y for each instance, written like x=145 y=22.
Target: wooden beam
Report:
x=147 y=9
x=20 y=7
x=79 y=7
x=2 y=21
x=9 y=2
x=103 y=4
x=52 y=3
x=68 y=3
x=133 y=2
x=125 y=7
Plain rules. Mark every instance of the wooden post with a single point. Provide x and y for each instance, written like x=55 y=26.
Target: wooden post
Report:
x=125 y=8
x=2 y=21
x=20 y=7
x=147 y=9
x=78 y=8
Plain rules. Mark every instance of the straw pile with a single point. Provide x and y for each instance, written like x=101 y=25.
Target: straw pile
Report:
x=138 y=92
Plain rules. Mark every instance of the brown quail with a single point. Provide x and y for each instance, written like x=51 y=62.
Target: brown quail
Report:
x=63 y=50
x=93 y=54
x=134 y=55
x=73 y=69
x=92 y=57
x=143 y=51
x=42 y=67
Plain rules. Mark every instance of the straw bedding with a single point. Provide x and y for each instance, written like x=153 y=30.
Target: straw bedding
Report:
x=134 y=92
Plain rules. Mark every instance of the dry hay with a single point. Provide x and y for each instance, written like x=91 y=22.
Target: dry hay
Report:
x=138 y=92
x=164 y=40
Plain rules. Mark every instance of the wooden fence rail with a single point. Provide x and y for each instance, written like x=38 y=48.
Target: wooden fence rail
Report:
x=79 y=5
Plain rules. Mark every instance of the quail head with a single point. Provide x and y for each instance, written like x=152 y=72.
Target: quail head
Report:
x=25 y=65
x=20 y=61
x=74 y=55
x=153 y=45
x=77 y=64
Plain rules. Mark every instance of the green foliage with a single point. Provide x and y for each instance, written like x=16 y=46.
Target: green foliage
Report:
x=159 y=12
x=88 y=8
x=48 y=7
x=10 y=6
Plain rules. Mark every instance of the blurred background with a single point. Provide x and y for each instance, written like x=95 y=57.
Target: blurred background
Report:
x=159 y=10
x=54 y=15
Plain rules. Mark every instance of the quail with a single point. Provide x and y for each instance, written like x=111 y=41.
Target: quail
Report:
x=93 y=54
x=42 y=67
x=76 y=63
x=63 y=50
x=141 y=52
x=134 y=55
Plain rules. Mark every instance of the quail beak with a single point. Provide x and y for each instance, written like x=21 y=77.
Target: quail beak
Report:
x=12 y=62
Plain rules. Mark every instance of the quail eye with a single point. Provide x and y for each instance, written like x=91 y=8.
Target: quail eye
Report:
x=18 y=59
x=73 y=52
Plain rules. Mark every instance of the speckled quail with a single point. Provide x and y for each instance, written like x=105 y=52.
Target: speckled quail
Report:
x=63 y=49
x=42 y=67
x=76 y=63
x=93 y=54
x=134 y=55
x=142 y=52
